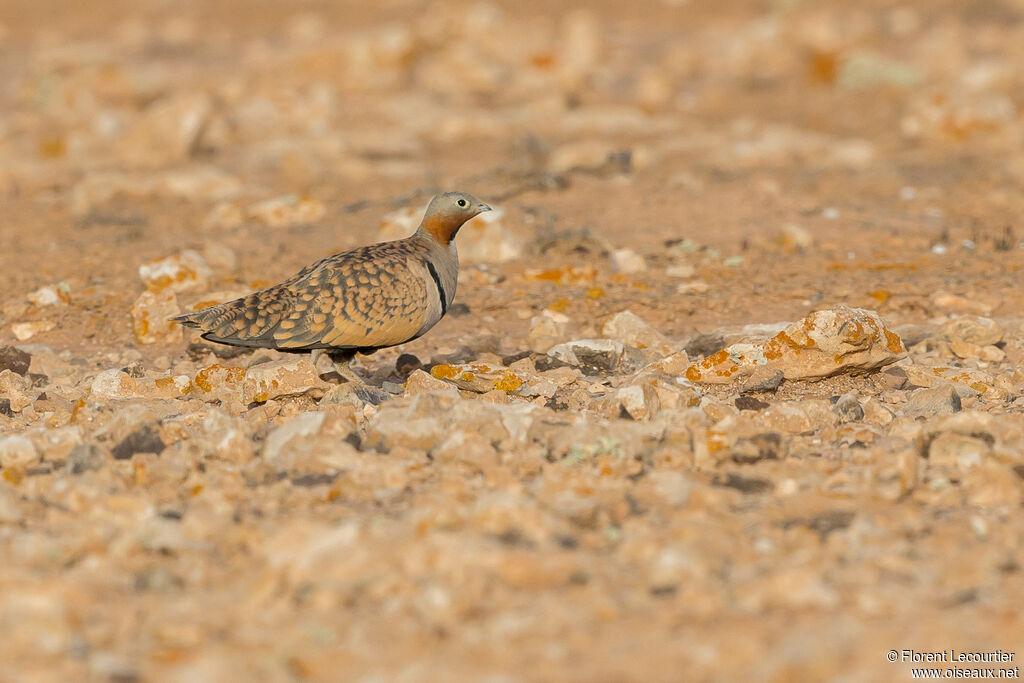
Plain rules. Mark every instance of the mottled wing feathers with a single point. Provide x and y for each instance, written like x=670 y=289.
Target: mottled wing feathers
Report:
x=249 y=321
x=363 y=298
x=371 y=298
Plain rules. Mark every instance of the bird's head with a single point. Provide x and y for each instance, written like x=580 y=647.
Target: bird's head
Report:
x=447 y=212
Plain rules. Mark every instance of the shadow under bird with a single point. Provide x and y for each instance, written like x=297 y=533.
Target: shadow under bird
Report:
x=356 y=301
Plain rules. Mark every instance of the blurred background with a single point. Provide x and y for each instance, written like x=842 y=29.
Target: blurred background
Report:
x=735 y=125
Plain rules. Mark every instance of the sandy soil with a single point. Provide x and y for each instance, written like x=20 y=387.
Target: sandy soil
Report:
x=709 y=167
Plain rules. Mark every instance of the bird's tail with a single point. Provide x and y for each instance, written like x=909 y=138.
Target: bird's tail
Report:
x=188 y=320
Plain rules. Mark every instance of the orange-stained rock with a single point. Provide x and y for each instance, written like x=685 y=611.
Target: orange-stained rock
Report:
x=832 y=341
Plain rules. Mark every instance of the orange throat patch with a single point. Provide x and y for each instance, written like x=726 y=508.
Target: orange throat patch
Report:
x=441 y=229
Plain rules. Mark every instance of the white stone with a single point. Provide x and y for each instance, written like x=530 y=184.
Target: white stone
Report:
x=50 y=295
x=487 y=239
x=151 y=315
x=288 y=377
x=179 y=272
x=828 y=342
x=27 y=330
x=304 y=424
x=114 y=383
x=287 y=210
x=627 y=262
x=547 y=329
x=632 y=330
x=603 y=354
x=16 y=389
x=18 y=451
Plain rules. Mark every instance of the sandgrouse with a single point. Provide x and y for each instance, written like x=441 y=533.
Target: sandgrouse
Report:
x=359 y=300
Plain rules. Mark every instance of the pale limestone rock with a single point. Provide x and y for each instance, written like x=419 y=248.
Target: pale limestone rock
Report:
x=958 y=452
x=220 y=383
x=487 y=239
x=358 y=397
x=675 y=396
x=115 y=384
x=420 y=382
x=829 y=342
x=151 y=315
x=9 y=511
x=989 y=353
x=595 y=355
x=795 y=237
x=632 y=330
x=848 y=408
x=417 y=423
x=654 y=91
x=467 y=448
x=16 y=389
x=875 y=412
x=899 y=467
x=479 y=378
x=287 y=210
x=26 y=330
x=682 y=271
x=535 y=386
x=235 y=387
x=581 y=46
x=669 y=392
x=224 y=216
x=226 y=437
x=18 y=451
x=580 y=154
x=168 y=129
x=989 y=484
x=627 y=262
x=674 y=364
x=547 y=329
x=560 y=377
x=694 y=287
x=54 y=445
x=287 y=377
x=199 y=183
x=220 y=256
x=278 y=442
x=50 y=295
x=955 y=302
x=991 y=114
x=942 y=399
x=639 y=401
x=165 y=387
x=992 y=429
x=763 y=378
x=671 y=486
x=970 y=330
x=799 y=417
x=179 y=272
x=967 y=382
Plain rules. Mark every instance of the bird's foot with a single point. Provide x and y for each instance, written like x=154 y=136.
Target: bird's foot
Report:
x=348 y=374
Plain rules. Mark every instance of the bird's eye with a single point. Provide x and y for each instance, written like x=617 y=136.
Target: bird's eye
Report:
x=462 y=203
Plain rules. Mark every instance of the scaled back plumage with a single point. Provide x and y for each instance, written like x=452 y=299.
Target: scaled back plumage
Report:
x=364 y=298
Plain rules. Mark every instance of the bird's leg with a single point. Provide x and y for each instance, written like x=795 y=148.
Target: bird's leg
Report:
x=341 y=361
x=314 y=356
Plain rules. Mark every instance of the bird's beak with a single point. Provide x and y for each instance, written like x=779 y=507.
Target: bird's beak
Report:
x=481 y=207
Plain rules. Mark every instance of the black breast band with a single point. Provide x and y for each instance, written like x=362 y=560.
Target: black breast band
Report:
x=440 y=288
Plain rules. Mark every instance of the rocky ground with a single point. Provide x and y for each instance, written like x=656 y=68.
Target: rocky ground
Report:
x=731 y=390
